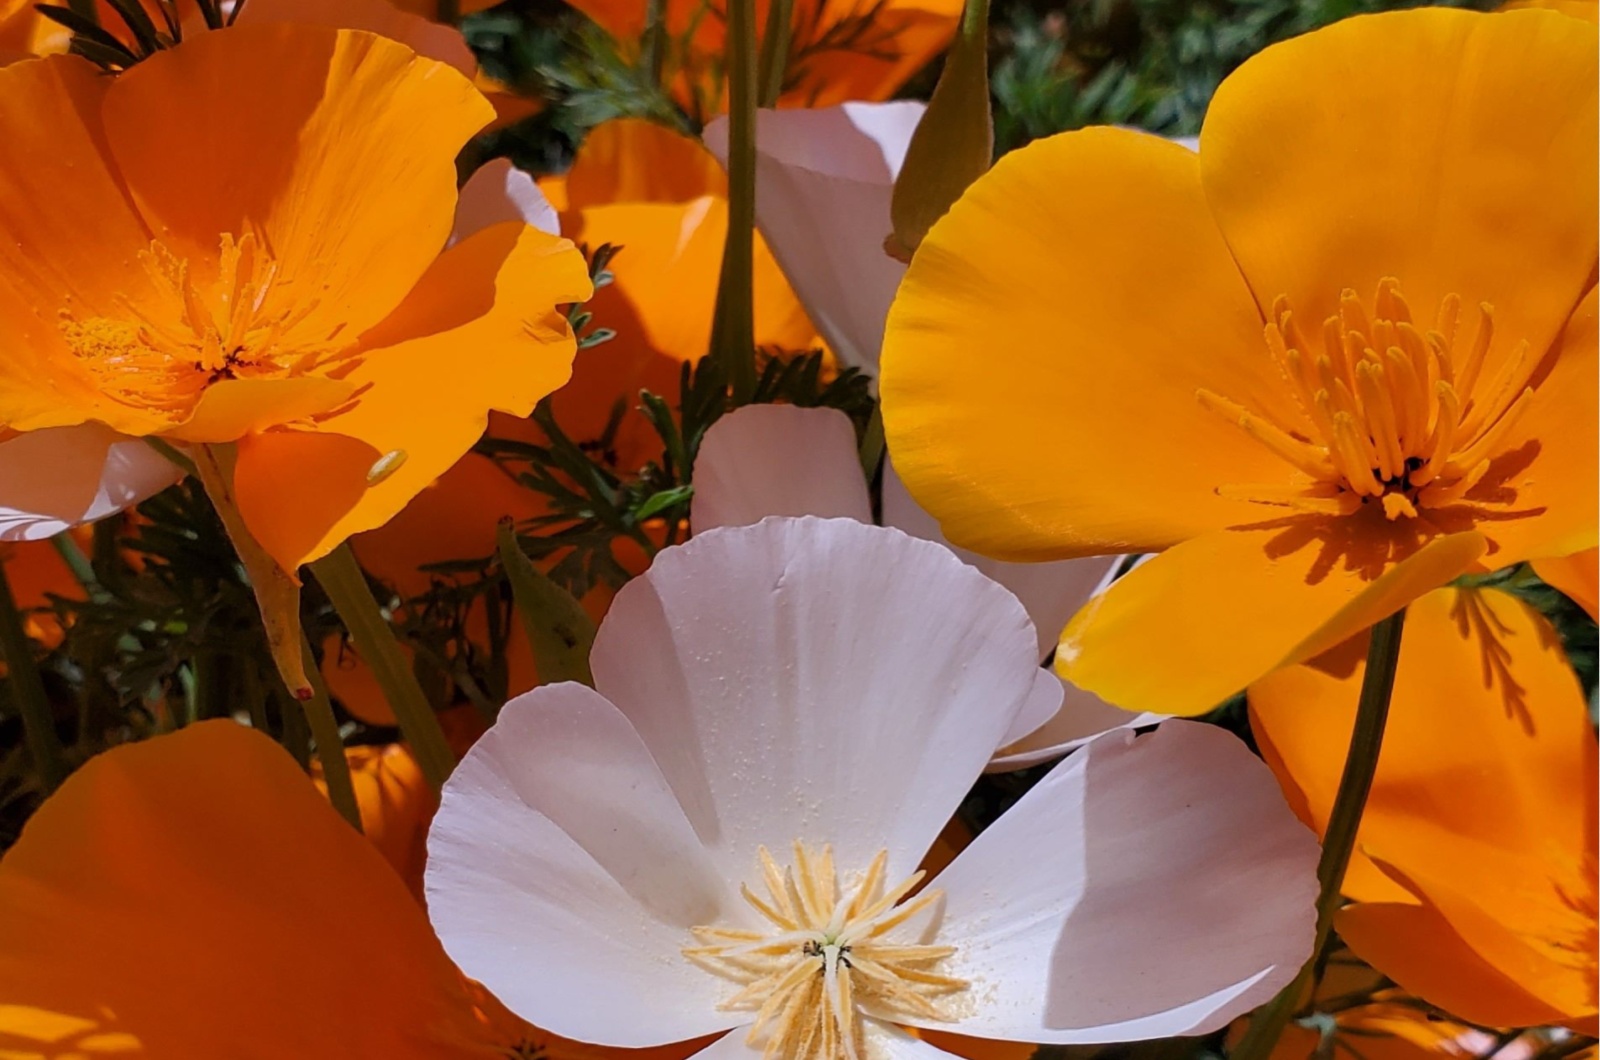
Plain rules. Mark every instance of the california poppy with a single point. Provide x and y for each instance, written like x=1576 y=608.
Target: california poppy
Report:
x=1342 y=355
x=1474 y=870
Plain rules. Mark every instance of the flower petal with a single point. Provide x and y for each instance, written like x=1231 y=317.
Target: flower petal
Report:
x=484 y=318
x=764 y=460
x=1544 y=479
x=1149 y=886
x=824 y=179
x=498 y=192
x=559 y=845
x=1578 y=576
x=1081 y=717
x=59 y=477
x=1044 y=352
x=52 y=259
x=1487 y=742
x=212 y=833
x=346 y=168
x=1417 y=948
x=423 y=36
x=1052 y=592
x=1451 y=150
x=816 y=679
x=1230 y=607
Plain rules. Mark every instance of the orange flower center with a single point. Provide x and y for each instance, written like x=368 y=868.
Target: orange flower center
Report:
x=1390 y=413
x=163 y=355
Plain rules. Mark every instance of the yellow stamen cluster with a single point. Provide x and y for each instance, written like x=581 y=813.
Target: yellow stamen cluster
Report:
x=163 y=356
x=826 y=958
x=1389 y=412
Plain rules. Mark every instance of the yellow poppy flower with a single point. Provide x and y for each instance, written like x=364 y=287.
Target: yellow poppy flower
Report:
x=838 y=49
x=264 y=269
x=1474 y=868
x=1328 y=363
x=260 y=924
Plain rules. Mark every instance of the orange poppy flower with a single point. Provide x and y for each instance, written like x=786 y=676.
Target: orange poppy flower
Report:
x=1327 y=364
x=838 y=49
x=37 y=572
x=301 y=310
x=662 y=197
x=1474 y=868
x=261 y=925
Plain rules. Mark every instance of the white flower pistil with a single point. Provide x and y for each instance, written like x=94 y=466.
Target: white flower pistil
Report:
x=826 y=958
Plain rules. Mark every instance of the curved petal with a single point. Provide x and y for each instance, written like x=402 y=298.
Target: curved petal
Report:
x=1417 y=948
x=54 y=260
x=1232 y=606
x=395 y=804
x=819 y=680
x=824 y=179
x=1052 y=592
x=346 y=169
x=212 y=833
x=1044 y=352
x=764 y=460
x=431 y=39
x=1081 y=717
x=1487 y=742
x=558 y=844
x=1456 y=153
x=1043 y=704
x=1098 y=908
x=1578 y=576
x=481 y=331
x=633 y=160
x=1546 y=464
x=59 y=477
x=498 y=192
x=884 y=1041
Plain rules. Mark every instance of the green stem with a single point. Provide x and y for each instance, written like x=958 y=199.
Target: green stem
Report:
x=733 y=330
x=27 y=691
x=318 y=712
x=340 y=577
x=655 y=41
x=1339 y=839
x=775 y=52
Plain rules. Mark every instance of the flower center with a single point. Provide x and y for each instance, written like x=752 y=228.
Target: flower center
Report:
x=163 y=356
x=825 y=957
x=1390 y=413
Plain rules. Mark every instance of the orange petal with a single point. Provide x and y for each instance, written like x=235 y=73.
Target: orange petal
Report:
x=908 y=36
x=1417 y=948
x=352 y=682
x=70 y=242
x=1542 y=486
x=633 y=160
x=1188 y=629
x=1483 y=805
x=291 y=486
x=396 y=806
x=230 y=409
x=346 y=168
x=1449 y=149
x=1578 y=576
x=225 y=849
x=1043 y=354
x=1486 y=744
x=480 y=331
x=415 y=31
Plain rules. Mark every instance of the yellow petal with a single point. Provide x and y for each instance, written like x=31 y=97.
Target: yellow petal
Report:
x=1193 y=626
x=1043 y=355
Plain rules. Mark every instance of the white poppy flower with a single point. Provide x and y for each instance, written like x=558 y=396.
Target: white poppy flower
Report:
x=59 y=477
x=764 y=460
x=723 y=835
